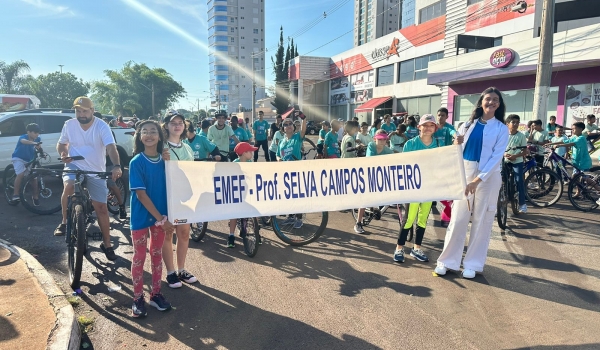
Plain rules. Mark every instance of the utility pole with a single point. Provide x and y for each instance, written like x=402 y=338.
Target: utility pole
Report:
x=253 y=91
x=543 y=75
x=218 y=97
x=61 y=65
x=153 y=114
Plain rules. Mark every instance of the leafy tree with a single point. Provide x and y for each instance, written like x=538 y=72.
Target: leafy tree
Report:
x=11 y=76
x=281 y=101
x=58 y=90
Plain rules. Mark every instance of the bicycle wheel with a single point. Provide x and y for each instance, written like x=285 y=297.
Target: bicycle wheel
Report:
x=198 y=230
x=76 y=236
x=112 y=201
x=265 y=221
x=311 y=227
x=502 y=208
x=309 y=149
x=513 y=196
x=582 y=192
x=250 y=233
x=543 y=188
x=48 y=187
x=9 y=184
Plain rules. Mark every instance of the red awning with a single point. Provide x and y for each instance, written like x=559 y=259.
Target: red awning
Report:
x=287 y=112
x=373 y=103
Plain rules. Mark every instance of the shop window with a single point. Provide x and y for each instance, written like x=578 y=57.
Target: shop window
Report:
x=432 y=11
x=416 y=68
x=385 y=75
x=419 y=105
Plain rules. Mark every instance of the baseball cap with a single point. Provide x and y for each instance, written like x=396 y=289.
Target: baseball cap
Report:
x=326 y=123
x=380 y=135
x=172 y=114
x=427 y=118
x=83 y=102
x=244 y=147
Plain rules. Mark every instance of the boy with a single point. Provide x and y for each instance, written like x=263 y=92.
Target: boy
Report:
x=349 y=147
x=539 y=137
x=514 y=158
x=245 y=153
x=331 y=147
x=363 y=137
x=324 y=130
x=551 y=127
x=560 y=137
x=24 y=153
x=240 y=133
x=591 y=131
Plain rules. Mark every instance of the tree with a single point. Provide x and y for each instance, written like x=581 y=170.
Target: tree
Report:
x=129 y=90
x=57 y=90
x=11 y=76
x=281 y=101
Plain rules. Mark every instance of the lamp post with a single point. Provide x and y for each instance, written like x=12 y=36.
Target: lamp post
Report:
x=61 y=65
x=151 y=89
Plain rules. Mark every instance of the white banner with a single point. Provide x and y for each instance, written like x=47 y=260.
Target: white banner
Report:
x=210 y=191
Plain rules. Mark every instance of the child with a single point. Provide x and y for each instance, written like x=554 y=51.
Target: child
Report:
x=560 y=137
x=551 y=127
x=398 y=138
x=277 y=136
x=175 y=131
x=331 y=147
x=200 y=144
x=514 y=158
x=240 y=133
x=23 y=154
x=363 y=137
x=387 y=125
x=411 y=129
x=539 y=137
x=245 y=152
x=204 y=128
x=375 y=127
x=349 y=147
x=377 y=147
x=591 y=131
x=322 y=133
x=427 y=127
x=147 y=181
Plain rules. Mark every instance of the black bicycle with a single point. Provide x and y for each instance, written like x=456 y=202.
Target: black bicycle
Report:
x=10 y=176
x=376 y=213
x=112 y=201
x=508 y=192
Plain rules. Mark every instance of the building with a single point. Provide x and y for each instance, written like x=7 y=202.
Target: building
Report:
x=376 y=18
x=455 y=49
x=236 y=37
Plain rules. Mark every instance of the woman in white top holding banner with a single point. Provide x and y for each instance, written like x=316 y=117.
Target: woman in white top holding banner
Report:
x=484 y=139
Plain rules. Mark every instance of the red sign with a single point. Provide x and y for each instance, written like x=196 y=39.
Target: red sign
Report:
x=490 y=12
x=502 y=58
x=345 y=67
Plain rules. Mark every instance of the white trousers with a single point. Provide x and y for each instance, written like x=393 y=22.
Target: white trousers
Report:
x=483 y=209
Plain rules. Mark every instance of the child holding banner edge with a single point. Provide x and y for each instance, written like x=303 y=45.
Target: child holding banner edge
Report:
x=427 y=127
x=482 y=158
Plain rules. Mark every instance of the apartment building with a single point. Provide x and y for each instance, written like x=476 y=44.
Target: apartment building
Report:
x=375 y=18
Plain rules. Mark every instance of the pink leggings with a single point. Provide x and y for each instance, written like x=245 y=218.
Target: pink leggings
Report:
x=140 y=237
x=446 y=214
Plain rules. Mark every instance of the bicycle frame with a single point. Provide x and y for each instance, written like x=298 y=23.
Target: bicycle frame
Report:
x=559 y=162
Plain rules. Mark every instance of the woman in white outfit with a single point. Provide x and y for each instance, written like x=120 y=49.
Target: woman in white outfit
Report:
x=484 y=139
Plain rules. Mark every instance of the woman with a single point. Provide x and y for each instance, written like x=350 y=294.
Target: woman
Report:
x=482 y=159
x=375 y=127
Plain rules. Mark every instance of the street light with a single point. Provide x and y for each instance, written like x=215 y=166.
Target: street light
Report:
x=61 y=65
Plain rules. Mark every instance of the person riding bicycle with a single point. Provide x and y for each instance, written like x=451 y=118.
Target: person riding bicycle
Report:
x=539 y=137
x=200 y=145
x=290 y=149
x=240 y=133
x=514 y=158
x=220 y=133
x=91 y=138
x=591 y=131
x=23 y=154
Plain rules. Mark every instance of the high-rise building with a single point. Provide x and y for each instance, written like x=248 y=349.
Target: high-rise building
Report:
x=376 y=18
x=236 y=37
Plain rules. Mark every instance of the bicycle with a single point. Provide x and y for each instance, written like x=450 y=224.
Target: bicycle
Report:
x=10 y=176
x=584 y=190
x=376 y=213
x=112 y=201
x=508 y=192
x=543 y=186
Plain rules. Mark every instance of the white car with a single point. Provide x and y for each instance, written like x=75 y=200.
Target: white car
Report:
x=51 y=121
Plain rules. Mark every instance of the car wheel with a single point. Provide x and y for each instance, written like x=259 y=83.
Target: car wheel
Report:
x=312 y=132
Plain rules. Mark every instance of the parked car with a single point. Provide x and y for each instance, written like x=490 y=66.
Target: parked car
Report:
x=312 y=128
x=51 y=121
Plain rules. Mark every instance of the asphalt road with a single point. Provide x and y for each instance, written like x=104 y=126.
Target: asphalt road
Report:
x=539 y=289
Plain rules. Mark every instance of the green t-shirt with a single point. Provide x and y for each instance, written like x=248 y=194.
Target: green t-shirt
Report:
x=347 y=139
x=540 y=136
x=388 y=128
x=516 y=140
x=397 y=142
x=581 y=157
x=200 y=146
x=322 y=134
x=276 y=139
x=333 y=148
x=183 y=152
x=589 y=128
x=241 y=134
x=260 y=129
x=415 y=144
x=372 y=150
x=290 y=149
x=220 y=137
x=445 y=135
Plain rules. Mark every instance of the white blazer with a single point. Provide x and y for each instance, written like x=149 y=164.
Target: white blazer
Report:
x=495 y=141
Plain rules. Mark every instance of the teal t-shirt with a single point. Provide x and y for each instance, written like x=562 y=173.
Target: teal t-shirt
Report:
x=290 y=149
x=260 y=130
x=372 y=131
x=200 y=146
x=411 y=132
x=551 y=129
x=333 y=148
x=372 y=150
x=388 y=128
x=202 y=133
x=581 y=157
x=241 y=134
x=415 y=144
x=322 y=134
x=237 y=160
x=445 y=135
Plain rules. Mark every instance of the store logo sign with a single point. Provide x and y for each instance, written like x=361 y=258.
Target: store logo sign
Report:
x=386 y=51
x=502 y=58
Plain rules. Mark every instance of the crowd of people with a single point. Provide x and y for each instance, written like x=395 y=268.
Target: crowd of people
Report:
x=176 y=138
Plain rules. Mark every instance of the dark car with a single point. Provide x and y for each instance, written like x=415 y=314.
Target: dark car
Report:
x=312 y=128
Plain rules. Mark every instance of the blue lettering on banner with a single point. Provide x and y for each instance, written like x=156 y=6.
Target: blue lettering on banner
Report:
x=300 y=184
x=323 y=185
x=268 y=188
x=229 y=189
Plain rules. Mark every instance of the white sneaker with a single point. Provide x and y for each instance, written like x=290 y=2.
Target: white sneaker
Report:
x=469 y=274
x=523 y=209
x=440 y=269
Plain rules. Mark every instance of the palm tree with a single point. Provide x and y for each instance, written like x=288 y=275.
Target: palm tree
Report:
x=10 y=73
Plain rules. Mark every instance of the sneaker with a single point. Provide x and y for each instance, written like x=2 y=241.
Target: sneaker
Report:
x=419 y=255
x=138 y=309
x=598 y=201
x=399 y=255
x=440 y=269
x=187 y=277
x=109 y=252
x=291 y=220
x=523 y=209
x=469 y=274
x=36 y=202
x=159 y=302
x=259 y=240
x=358 y=228
x=60 y=230
x=122 y=212
x=298 y=223
x=231 y=241
x=173 y=280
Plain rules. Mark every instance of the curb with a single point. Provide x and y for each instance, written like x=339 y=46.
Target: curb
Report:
x=66 y=333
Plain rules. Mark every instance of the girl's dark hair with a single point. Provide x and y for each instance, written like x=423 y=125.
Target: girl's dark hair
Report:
x=376 y=123
x=165 y=129
x=138 y=146
x=499 y=113
x=190 y=126
x=412 y=121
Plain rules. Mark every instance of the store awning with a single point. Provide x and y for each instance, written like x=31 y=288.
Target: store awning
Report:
x=287 y=112
x=373 y=103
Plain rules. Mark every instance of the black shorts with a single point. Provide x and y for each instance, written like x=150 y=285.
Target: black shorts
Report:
x=319 y=148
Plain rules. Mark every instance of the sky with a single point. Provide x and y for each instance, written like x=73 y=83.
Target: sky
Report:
x=88 y=37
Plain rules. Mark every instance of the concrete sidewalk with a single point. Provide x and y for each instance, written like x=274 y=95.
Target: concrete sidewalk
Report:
x=34 y=312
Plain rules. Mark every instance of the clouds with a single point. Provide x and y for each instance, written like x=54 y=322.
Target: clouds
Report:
x=50 y=9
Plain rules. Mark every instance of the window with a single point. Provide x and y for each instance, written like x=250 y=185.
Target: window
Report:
x=419 y=105
x=221 y=48
x=232 y=39
x=242 y=38
x=408 y=13
x=416 y=68
x=221 y=18
x=255 y=31
x=232 y=29
x=221 y=38
x=221 y=77
x=256 y=41
x=255 y=11
x=16 y=126
x=232 y=19
x=221 y=8
x=385 y=75
x=242 y=28
x=432 y=11
x=255 y=20
x=243 y=47
x=221 y=67
x=53 y=123
x=224 y=87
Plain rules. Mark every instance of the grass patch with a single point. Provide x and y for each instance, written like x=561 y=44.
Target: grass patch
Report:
x=74 y=301
x=86 y=324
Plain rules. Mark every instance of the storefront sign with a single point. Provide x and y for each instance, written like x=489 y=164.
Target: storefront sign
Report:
x=502 y=58
x=386 y=51
x=581 y=100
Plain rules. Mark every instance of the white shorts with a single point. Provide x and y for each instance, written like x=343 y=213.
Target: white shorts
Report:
x=19 y=165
